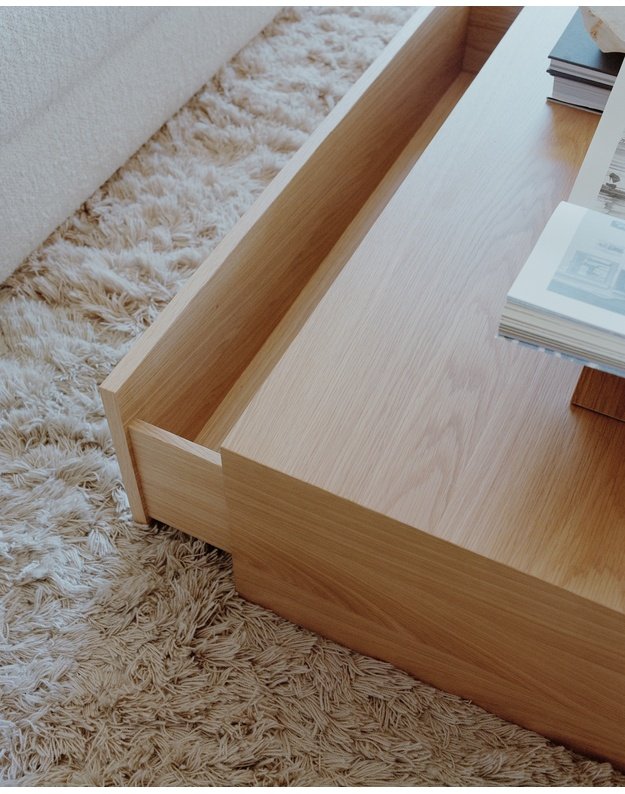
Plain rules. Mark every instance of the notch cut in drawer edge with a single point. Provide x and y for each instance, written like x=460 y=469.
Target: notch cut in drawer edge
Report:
x=181 y=483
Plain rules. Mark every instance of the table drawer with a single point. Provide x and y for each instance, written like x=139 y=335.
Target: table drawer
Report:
x=172 y=400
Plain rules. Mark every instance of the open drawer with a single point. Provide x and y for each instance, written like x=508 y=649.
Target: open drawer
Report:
x=173 y=399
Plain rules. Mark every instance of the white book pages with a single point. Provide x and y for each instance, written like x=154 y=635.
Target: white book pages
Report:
x=600 y=184
x=577 y=270
x=569 y=298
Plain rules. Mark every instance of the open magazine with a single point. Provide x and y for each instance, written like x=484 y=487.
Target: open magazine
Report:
x=569 y=298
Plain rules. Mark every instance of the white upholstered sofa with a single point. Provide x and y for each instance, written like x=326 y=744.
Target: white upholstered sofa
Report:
x=82 y=88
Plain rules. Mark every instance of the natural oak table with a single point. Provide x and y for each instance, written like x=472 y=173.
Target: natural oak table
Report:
x=328 y=400
x=408 y=483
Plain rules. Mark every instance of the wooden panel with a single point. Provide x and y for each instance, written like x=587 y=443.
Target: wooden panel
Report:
x=528 y=651
x=601 y=392
x=182 y=483
x=234 y=403
x=397 y=394
x=487 y=26
x=547 y=500
x=209 y=333
x=125 y=457
x=410 y=485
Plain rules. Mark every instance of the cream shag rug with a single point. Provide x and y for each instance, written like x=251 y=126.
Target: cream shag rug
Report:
x=126 y=657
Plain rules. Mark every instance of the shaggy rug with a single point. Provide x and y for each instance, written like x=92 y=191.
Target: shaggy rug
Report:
x=126 y=657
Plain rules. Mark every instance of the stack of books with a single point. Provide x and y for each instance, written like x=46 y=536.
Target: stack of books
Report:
x=569 y=298
x=583 y=76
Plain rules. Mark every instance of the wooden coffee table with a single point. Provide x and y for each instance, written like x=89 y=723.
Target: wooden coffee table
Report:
x=328 y=400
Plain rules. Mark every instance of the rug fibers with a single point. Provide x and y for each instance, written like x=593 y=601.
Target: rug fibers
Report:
x=126 y=657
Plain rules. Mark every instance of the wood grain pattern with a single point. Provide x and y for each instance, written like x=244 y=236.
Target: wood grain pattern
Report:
x=487 y=26
x=399 y=394
x=600 y=392
x=400 y=479
x=420 y=489
x=234 y=403
x=182 y=483
x=397 y=379
x=526 y=650
x=125 y=456
x=205 y=338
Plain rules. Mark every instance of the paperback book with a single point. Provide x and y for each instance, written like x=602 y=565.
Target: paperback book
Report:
x=569 y=298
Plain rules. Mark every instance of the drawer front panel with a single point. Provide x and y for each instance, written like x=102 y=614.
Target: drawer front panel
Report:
x=181 y=483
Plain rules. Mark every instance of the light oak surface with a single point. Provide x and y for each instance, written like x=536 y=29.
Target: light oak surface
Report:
x=177 y=374
x=398 y=396
x=395 y=476
x=409 y=484
x=528 y=651
x=234 y=403
x=487 y=26
x=182 y=483
x=119 y=426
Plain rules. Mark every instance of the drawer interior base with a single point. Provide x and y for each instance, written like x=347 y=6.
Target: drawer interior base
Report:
x=234 y=403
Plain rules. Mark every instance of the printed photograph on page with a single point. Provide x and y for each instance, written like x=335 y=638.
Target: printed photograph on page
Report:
x=593 y=268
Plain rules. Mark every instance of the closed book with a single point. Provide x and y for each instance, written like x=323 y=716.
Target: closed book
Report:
x=576 y=54
x=579 y=93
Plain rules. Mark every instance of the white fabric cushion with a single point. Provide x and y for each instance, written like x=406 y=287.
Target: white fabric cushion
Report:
x=82 y=88
x=46 y=51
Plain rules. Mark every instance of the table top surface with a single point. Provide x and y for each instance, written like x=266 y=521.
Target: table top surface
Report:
x=397 y=393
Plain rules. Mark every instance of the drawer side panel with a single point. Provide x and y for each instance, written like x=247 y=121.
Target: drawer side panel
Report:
x=487 y=26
